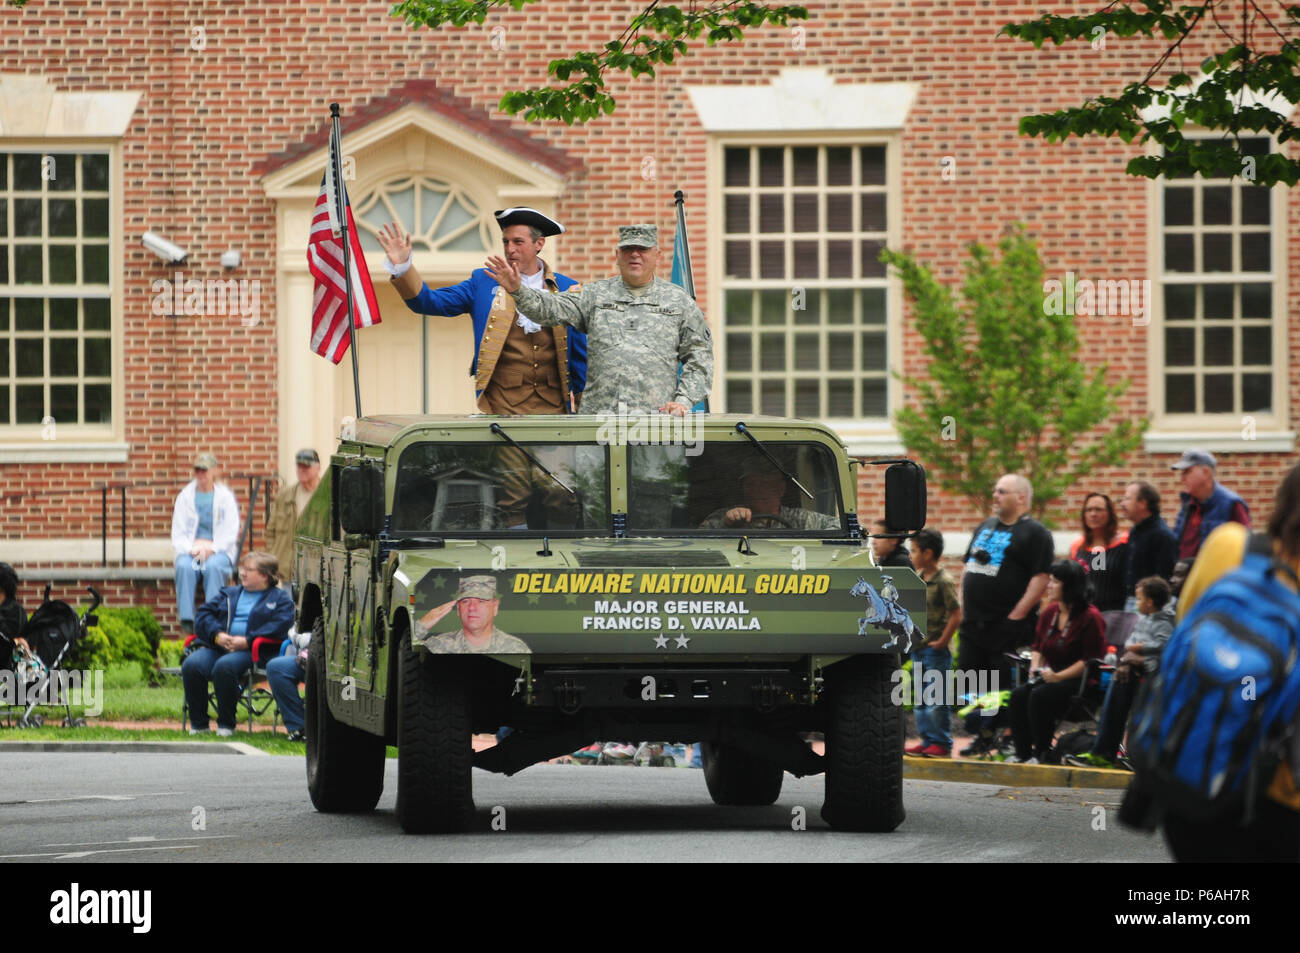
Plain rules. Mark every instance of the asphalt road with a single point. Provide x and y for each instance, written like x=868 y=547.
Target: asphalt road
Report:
x=84 y=808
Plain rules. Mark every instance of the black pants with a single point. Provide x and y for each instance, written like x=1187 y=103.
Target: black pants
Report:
x=984 y=644
x=1114 y=715
x=1035 y=709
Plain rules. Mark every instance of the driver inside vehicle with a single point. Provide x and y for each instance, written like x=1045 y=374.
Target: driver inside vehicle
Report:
x=762 y=487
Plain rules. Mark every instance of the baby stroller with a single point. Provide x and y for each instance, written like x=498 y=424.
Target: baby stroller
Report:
x=52 y=632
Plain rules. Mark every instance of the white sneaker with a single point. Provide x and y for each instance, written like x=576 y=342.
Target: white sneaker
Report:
x=1029 y=761
x=225 y=732
x=1011 y=759
x=199 y=731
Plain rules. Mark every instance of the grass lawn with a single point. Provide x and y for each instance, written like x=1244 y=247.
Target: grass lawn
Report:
x=272 y=744
x=128 y=696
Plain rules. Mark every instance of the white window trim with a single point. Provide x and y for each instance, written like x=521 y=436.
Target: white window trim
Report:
x=88 y=443
x=1222 y=433
x=861 y=438
x=803 y=99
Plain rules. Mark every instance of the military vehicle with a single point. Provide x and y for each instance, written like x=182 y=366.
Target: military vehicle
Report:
x=573 y=579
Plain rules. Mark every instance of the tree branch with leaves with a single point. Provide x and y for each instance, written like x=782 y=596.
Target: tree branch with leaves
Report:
x=1005 y=389
x=657 y=35
x=1231 y=97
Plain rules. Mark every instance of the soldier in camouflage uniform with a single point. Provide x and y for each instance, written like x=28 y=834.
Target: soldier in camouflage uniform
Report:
x=476 y=602
x=763 y=487
x=638 y=329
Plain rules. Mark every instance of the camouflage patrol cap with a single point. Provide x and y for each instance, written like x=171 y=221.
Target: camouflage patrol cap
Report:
x=641 y=236
x=477 y=587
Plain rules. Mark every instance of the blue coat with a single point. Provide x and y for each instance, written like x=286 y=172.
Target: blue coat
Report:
x=1215 y=511
x=271 y=618
x=475 y=296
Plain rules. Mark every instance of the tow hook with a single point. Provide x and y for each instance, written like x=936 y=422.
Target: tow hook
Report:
x=568 y=696
x=766 y=694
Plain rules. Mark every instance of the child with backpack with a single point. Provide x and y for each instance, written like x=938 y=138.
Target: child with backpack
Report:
x=1215 y=740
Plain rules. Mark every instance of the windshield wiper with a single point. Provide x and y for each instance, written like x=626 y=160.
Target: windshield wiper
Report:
x=742 y=429
x=496 y=429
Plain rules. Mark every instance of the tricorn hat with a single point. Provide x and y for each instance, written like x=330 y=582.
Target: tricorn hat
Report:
x=528 y=216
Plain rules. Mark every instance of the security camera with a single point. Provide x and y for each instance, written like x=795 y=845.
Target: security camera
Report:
x=167 y=251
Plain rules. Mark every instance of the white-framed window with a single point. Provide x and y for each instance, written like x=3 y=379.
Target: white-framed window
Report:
x=1219 y=360
x=440 y=216
x=56 y=292
x=806 y=303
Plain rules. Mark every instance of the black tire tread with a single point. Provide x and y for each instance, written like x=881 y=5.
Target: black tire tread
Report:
x=864 y=747
x=345 y=765
x=434 y=751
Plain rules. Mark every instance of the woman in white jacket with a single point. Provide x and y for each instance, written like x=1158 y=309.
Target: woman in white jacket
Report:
x=205 y=535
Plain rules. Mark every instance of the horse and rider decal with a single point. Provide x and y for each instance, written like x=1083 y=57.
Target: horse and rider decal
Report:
x=884 y=612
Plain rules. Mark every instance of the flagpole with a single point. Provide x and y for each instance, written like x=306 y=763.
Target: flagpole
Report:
x=689 y=277
x=336 y=161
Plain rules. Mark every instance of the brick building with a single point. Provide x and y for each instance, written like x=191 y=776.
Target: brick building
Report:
x=801 y=152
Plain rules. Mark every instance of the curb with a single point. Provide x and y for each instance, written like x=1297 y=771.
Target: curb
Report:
x=1018 y=775
x=135 y=747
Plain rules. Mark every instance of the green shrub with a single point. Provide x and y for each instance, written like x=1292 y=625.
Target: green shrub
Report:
x=169 y=653
x=141 y=619
x=123 y=635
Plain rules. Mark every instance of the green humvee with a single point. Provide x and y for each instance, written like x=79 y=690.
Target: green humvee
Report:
x=684 y=579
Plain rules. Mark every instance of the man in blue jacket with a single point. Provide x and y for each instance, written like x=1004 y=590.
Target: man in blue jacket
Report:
x=519 y=366
x=1207 y=503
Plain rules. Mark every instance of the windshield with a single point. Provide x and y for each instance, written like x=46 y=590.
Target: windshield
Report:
x=733 y=488
x=444 y=488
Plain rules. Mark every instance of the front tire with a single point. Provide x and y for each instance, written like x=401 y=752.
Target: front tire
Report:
x=345 y=765
x=434 y=754
x=736 y=778
x=864 y=746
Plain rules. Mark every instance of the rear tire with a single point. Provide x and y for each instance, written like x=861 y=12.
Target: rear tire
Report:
x=345 y=765
x=736 y=778
x=864 y=746
x=434 y=754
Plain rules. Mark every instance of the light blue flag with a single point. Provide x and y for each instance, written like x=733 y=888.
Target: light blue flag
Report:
x=682 y=276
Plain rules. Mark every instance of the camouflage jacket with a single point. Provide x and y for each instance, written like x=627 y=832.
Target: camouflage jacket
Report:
x=455 y=643
x=634 y=343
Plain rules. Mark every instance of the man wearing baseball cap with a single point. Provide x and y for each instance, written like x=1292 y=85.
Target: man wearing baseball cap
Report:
x=288 y=506
x=640 y=328
x=519 y=367
x=476 y=603
x=1207 y=503
x=205 y=536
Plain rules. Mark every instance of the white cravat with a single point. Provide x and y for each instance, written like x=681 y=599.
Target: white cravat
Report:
x=537 y=282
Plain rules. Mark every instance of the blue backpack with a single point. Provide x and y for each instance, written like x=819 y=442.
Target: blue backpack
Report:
x=1210 y=728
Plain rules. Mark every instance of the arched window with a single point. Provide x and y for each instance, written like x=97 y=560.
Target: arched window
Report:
x=438 y=215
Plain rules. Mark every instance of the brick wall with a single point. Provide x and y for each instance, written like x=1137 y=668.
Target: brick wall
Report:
x=209 y=119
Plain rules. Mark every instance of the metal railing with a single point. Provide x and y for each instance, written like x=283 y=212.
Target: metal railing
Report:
x=257 y=484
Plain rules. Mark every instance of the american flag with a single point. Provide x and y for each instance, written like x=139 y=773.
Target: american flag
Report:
x=329 y=313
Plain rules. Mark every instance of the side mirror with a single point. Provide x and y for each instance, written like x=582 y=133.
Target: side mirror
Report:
x=361 y=499
x=905 y=501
